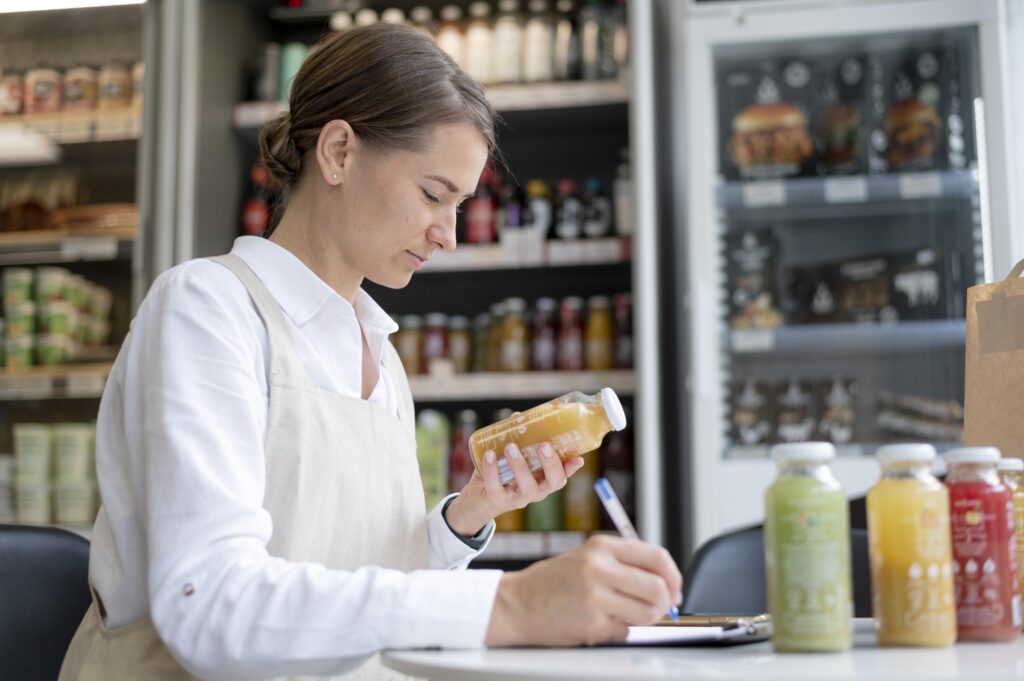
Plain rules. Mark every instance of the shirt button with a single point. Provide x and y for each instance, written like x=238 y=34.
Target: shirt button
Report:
x=188 y=589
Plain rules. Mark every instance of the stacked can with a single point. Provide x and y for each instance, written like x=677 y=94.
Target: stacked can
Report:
x=54 y=476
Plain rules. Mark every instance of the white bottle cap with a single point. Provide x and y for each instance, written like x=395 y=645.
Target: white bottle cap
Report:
x=393 y=15
x=341 y=21
x=1010 y=465
x=804 y=451
x=613 y=408
x=972 y=455
x=906 y=452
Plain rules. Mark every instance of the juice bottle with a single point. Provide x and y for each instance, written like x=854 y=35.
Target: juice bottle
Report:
x=433 y=439
x=909 y=544
x=984 y=547
x=460 y=465
x=582 y=506
x=1011 y=471
x=807 y=551
x=574 y=424
x=546 y=515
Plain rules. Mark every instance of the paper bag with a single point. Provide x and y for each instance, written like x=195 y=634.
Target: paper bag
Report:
x=994 y=383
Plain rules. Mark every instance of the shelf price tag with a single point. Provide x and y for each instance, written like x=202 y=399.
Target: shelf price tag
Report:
x=753 y=340
x=846 y=190
x=759 y=194
x=920 y=185
x=88 y=248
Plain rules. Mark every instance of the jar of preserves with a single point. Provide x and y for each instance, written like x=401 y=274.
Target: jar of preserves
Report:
x=497 y=314
x=599 y=334
x=409 y=343
x=515 y=337
x=115 y=86
x=43 y=87
x=570 y=334
x=435 y=340
x=460 y=344
x=81 y=88
x=481 y=341
x=12 y=92
x=544 y=340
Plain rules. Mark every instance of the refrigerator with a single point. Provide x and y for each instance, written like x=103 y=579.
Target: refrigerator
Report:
x=840 y=173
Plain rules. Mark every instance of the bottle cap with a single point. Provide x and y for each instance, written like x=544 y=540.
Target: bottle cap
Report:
x=538 y=6
x=599 y=301
x=458 y=323
x=437 y=319
x=451 y=13
x=1015 y=465
x=410 y=321
x=515 y=305
x=508 y=6
x=479 y=9
x=340 y=21
x=613 y=408
x=393 y=15
x=421 y=14
x=972 y=455
x=547 y=304
x=906 y=452
x=804 y=451
x=365 y=17
x=537 y=188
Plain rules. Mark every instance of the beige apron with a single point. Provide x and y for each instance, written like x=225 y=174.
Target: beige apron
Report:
x=342 y=487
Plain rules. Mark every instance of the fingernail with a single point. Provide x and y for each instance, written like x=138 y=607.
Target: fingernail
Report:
x=511 y=451
x=489 y=457
x=546 y=451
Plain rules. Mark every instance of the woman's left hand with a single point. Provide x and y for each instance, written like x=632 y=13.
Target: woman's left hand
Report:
x=485 y=498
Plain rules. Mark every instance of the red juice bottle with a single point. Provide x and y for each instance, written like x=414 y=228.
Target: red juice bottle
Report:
x=984 y=547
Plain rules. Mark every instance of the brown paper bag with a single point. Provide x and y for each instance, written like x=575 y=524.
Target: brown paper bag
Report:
x=994 y=383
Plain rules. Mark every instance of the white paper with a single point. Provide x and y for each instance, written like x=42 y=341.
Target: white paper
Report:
x=647 y=635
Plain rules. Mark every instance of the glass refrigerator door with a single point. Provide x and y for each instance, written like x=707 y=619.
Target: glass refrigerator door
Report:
x=849 y=216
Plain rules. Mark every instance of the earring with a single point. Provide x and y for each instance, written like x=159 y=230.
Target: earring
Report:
x=334 y=176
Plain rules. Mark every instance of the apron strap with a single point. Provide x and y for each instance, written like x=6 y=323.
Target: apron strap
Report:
x=1017 y=270
x=284 y=359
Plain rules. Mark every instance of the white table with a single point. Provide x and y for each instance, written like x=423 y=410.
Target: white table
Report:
x=752 y=662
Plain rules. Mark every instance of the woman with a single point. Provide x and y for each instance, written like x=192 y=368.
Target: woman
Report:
x=262 y=508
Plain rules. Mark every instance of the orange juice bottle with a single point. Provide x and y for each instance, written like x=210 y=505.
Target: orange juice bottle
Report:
x=574 y=424
x=910 y=551
x=1012 y=473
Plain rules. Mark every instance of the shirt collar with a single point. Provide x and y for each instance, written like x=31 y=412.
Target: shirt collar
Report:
x=298 y=290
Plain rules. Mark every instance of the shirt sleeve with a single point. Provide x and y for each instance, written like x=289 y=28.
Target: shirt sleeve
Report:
x=225 y=608
x=448 y=549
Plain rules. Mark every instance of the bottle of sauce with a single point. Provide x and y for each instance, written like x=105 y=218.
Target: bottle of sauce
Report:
x=460 y=344
x=435 y=340
x=460 y=467
x=623 y=191
x=515 y=337
x=508 y=43
x=537 y=221
x=480 y=44
x=570 y=334
x=433 y=439
x=480 y=214
x=568 y=212
x=511 y=216
x=911 y=558
x=538 y=44
x=1011 y=471
x=115 y=86
x=451 y=35
x=582 y=507
x=481 y=341
x=256 y=212
x=597 y=210
x=984 y=547
x=591 y=39
x=574 y=424
x=599 y=335
x=494 y=332
x=567 y=43
x=409 y=343
x=544 y=336
x=807 y=551
x=623 y=330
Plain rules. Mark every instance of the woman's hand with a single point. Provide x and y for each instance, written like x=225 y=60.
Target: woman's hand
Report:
x=485 y=498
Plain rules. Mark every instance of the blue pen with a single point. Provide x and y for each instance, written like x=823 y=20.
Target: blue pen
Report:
x=617 y=513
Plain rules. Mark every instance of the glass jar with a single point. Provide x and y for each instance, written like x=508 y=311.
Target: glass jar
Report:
x=599 y=335
x=984 y=547
x=807 y=551
x=43 y=90
x=450 y=34
x=515 y=337
x=508 y=43
x=1011 y=471
x=909 y=545
x=570 y=335
x=481 y=341
x=12 y=92
x=479 y=46
x=544 y=336
x=115 y=86
x=409 y=343
x=539 y=43
x=494 y=336
x=435 y=340
x=460 y=344
x=81 y=88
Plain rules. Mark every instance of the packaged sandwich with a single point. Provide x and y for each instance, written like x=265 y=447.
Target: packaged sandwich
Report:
x=753 y=294
x=840 y=117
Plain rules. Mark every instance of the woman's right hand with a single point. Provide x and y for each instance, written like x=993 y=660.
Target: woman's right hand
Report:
x=585 y=596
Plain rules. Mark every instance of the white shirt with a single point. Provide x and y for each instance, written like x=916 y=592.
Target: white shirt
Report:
x=179 y=455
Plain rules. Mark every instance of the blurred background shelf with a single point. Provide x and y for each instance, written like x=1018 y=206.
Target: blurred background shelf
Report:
x=69 y=381
x=909 y=336
x=71 y=127
x=527 y=385
x=48 y=246
x=530 y=546
x=474 y=258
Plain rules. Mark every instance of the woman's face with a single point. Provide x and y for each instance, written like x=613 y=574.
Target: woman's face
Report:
x=395 y=209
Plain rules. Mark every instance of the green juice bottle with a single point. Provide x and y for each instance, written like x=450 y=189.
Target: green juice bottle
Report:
x=807 y=552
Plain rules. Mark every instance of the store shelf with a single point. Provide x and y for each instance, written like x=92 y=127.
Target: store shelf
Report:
x=504 y=98
x=511 y=386
x=851 y=451
x=850 y=338
x=857 y=190
x=473 y=257
x=532 y=545
x=70 y=381
x=79 y=127
x=39 y=247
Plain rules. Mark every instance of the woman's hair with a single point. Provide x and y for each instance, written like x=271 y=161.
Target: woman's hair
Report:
x=391 y=83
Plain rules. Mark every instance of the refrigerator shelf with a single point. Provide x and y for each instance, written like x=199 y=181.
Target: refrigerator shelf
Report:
x=820 y=339
x=72 y=127
x=486 y=257
x=539 y=385
x=855 y=190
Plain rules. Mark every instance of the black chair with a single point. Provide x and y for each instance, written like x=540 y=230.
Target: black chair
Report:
x=726 y=576
x=44 y=593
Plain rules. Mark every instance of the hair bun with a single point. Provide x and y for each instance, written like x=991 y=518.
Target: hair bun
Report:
x=279 y=153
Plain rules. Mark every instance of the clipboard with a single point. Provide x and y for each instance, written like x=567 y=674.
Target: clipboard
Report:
x=700 y=631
